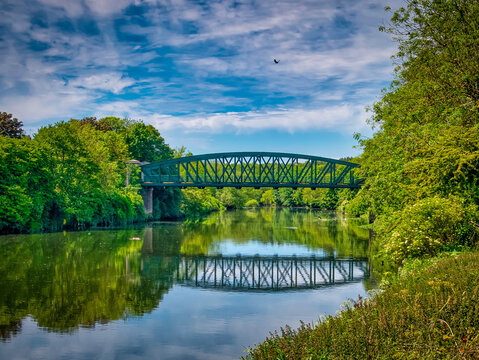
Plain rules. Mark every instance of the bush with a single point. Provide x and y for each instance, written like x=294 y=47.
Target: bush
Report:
x=252 y=203
x=197 y=203
x=356 y=206
x=429 y=226
x=231 y=198
x=267 y=198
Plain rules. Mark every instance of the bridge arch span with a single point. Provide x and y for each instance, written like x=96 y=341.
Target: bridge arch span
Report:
x=251 y=169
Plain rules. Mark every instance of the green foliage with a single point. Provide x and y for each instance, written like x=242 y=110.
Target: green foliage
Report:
x=426 y=144
x=286 y=197
x=438 y=44
x=87 y=167
x=268 y=198
x=26 y=191
x=167 y=203
x=231 y=198
x=180 y=152
x=429 y=226
x=73 y=173
x=252 y=203
x=198 y=202
x=146 y=144
x=357 y=206
x=10 y=126
x=19 y=205
x=430 y=313
x=321 y=198
x=312 y=198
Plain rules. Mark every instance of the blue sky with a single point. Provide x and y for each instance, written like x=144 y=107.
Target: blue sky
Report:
x=202 y=72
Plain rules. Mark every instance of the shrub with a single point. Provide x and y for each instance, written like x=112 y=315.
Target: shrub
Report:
x=231 y=198
x=428 y=226
x=267 y=198
x=356 y=206
x=197 y=203
x=252 y=203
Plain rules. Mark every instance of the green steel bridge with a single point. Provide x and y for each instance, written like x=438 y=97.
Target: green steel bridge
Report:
x=247 y=169
x=251 y=169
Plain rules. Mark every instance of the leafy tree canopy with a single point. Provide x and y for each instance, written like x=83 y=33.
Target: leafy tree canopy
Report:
x=10 y=126
x=144 y=141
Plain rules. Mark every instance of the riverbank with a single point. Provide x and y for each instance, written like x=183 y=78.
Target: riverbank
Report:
x=430 y=311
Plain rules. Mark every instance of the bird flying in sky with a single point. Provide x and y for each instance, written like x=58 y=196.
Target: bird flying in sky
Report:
x=276 y=61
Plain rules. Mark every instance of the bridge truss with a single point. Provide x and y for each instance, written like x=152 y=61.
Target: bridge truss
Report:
x=251 y=169
x=249 y=273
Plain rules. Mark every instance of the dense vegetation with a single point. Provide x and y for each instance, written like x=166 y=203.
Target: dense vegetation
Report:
x=73 y=173
x=430 y=313
x=198 y=202
x=421 y=165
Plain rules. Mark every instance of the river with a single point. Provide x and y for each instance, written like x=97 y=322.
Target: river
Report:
x=173 y=290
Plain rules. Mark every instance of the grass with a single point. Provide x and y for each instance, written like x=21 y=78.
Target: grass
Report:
x=431 y=311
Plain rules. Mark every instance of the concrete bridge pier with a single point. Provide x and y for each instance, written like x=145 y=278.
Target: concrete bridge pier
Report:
x=147 y=196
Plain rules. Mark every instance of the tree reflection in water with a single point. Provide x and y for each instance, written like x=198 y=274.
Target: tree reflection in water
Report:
x=70 y=280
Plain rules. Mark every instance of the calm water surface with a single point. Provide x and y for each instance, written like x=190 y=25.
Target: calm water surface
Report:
x=175 y=290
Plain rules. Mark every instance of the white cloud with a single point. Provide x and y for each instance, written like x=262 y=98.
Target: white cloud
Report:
x=99 y=7
x=341 y=118
x=46 y=105
x=118 y=108
x=113 y=82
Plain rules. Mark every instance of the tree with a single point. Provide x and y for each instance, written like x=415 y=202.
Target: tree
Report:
x=286 y=196
x=146 y=144
x=10 y=126
x=180 y=152
x=268 y=198
x=87 y=167
x=429 y=118
x=26 y=190
x=426 y=142
x=144 y=141
x=231 y=198
x=73 y=173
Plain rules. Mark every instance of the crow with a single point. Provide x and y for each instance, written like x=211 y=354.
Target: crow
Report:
x=276 y=61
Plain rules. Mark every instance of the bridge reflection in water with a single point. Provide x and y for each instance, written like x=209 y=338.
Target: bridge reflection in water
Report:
x=250 y=273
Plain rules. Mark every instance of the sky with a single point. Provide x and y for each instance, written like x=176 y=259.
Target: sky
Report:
x=202 y=72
